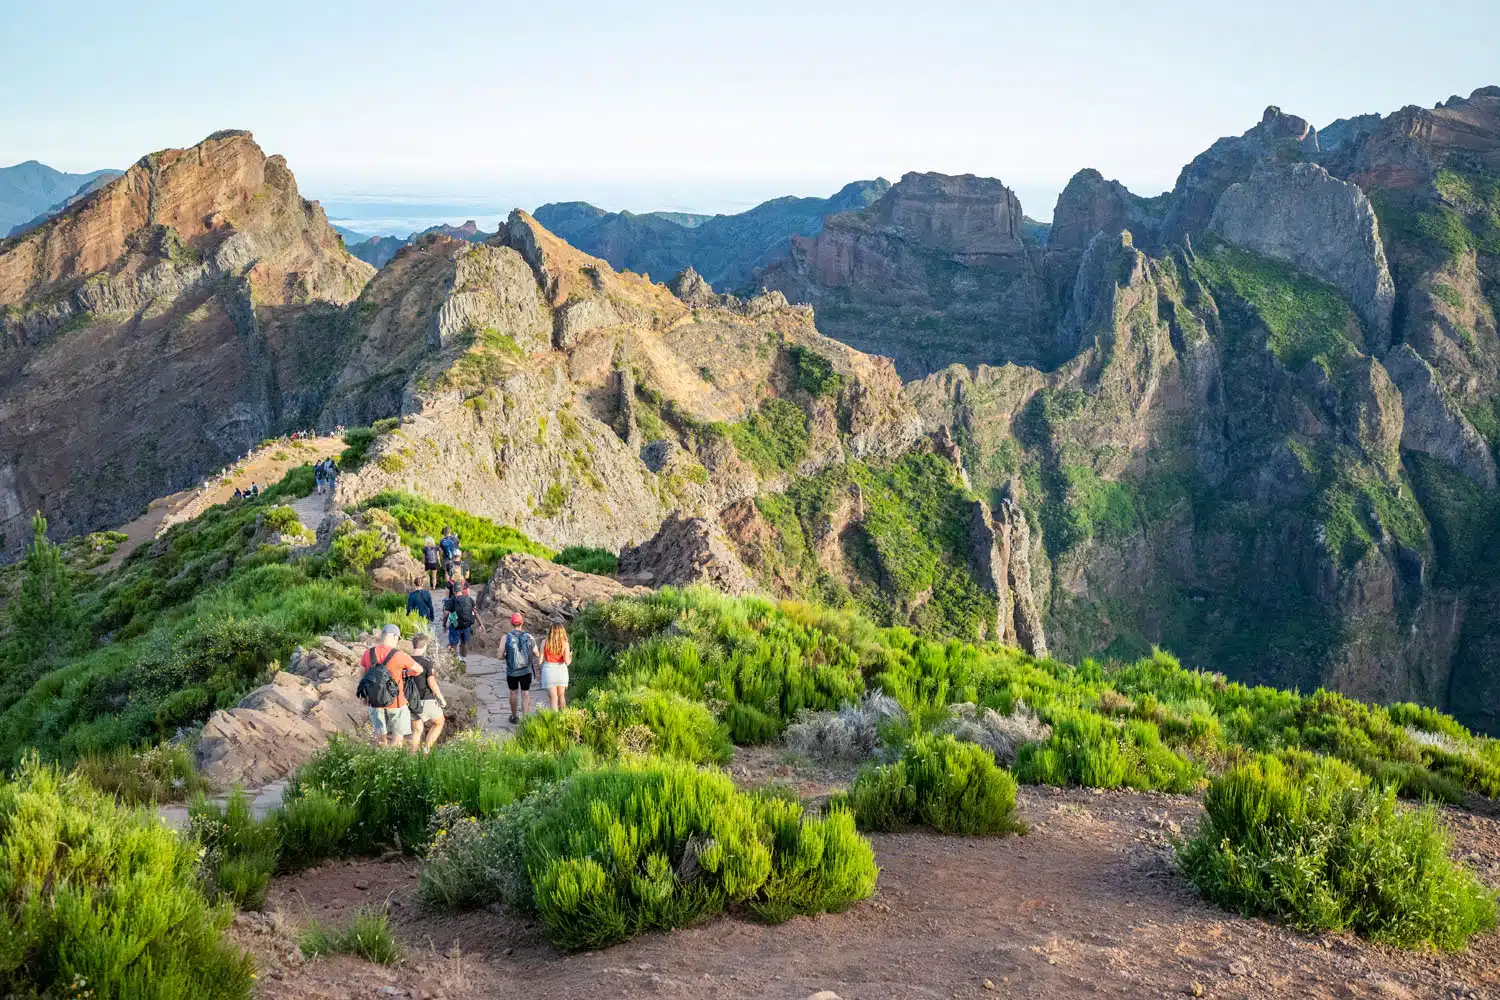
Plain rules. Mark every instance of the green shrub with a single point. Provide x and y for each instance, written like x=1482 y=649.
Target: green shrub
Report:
x=1095 y=752
x=312 y=828
x=659 y=845
x=640 y=721
x=1313 y=845
x=368 y=936
x=484 y=542
x=354 y=549
x=358 y=441
x=239 y=851
x=163 y=773
x=815 y=374
x=104 y=898
x=589 y=560
x=939 y=782
x=394 y=794
x=774 y=438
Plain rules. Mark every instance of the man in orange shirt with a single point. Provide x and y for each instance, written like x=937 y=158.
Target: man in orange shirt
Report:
x=383 y=664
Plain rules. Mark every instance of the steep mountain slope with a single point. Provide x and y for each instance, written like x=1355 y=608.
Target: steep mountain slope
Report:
x=726 y=249
x=544 y=389
x=29 y=189
x=159 y=327
x=1270 y=445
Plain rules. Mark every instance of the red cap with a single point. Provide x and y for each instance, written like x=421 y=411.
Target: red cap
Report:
x=516 y=618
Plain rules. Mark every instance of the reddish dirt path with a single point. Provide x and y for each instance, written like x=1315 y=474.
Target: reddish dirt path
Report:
x=1086 y=905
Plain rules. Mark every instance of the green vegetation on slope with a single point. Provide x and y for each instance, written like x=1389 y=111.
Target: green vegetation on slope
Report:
x=189 y=629
x=773 y=439
x=484 y=542
x=905 y=558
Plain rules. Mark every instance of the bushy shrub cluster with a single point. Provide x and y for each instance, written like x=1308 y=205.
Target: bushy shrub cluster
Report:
x=587 y=559
x=368 y=936
x=1097 y=752
x=163 y=773
x=1002 y=735
x=1312 y=844
x=658 y=845
x=853 y=733
x=104 y=901
x=239 y=851
x=484 y=542
x=939 y=782
x=643 y=722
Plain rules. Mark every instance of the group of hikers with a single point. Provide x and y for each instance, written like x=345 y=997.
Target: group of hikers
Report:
x=253 y=490
x=400 y=690
x=323 y=475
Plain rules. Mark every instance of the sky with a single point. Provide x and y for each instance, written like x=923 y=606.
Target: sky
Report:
x=392 y=110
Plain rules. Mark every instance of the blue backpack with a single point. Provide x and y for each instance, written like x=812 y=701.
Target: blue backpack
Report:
x=520 y=649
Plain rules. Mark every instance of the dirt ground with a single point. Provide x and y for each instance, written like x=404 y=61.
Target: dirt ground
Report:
x=1086 y=904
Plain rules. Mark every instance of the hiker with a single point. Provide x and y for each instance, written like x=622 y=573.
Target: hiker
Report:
x=425 y=690
x=456 y=570
x=255 y=489
x=557 y=656
x=320 y=476
x=432 y=561
x=419 y=600
x=519 y=652
x=462 y=616
x=449 y=544
x=237 y=494
x=382 y=687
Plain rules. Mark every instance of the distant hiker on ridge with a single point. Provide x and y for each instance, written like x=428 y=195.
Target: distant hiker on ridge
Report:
x=519 y=652
x=383 y=687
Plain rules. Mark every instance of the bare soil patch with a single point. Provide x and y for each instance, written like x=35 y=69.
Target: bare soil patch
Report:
x=1085 y=905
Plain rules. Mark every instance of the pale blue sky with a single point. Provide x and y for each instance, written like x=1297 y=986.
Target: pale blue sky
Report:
x=707 y=106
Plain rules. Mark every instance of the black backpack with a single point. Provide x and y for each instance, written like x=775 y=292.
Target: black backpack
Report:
x=378 y=687
x=463 y=611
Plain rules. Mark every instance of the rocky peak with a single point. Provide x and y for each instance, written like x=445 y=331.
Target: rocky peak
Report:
x=1278 y=124
x=1298 y=213
x=964 y=215
x=690 y=287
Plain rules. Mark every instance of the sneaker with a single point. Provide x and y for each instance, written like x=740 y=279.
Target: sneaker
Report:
x=513 y=720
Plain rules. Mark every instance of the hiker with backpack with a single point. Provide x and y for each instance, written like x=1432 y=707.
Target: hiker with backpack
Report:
x=432 y=561
x=456 y=571
x=419 y=601
x=557 y=656
x=423 y=690
x=448 y=543
x=382 y=687
x=518 y=650
x=461 y=617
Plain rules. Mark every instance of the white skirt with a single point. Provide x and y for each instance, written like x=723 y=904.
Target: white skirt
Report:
x=554 y=675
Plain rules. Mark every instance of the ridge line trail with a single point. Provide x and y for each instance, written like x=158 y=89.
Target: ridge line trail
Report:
x=261 y=467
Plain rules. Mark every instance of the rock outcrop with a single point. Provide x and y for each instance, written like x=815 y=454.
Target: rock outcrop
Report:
x=545 y=593
x=279 y=726
x=686 y=551
x=1433 y=424
x=1298 y=213
x=544 y=389
x=935 y=272
x=160 y=327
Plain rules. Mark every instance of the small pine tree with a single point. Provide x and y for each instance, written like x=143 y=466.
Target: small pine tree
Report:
x=45 y=622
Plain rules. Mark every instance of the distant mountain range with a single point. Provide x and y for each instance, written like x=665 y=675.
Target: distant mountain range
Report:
x=31 y=192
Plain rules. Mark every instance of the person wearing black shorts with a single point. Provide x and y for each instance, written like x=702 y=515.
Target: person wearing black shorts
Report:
x=518 y=650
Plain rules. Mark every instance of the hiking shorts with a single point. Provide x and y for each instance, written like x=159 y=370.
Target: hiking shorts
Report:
x=391 y=721
x=519 y=682
x=431 y=711
x=554 y=675
x=460 y=635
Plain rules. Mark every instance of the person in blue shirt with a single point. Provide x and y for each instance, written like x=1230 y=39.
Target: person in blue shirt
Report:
x=418 y=599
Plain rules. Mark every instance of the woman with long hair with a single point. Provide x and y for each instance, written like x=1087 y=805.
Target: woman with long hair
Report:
x=557 y=656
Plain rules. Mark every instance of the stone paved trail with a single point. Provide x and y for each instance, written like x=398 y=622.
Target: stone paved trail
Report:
x=494 y=697
x=311 y=509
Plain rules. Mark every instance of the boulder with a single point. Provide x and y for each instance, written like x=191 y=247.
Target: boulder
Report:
x=1301 y=214
x=545 y=593
x=684 y=551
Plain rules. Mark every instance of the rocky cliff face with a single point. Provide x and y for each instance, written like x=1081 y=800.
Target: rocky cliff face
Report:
x=544 y=389
x=1270 y=443
x=159 y=327
x=934 y=272
x=726 y=249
